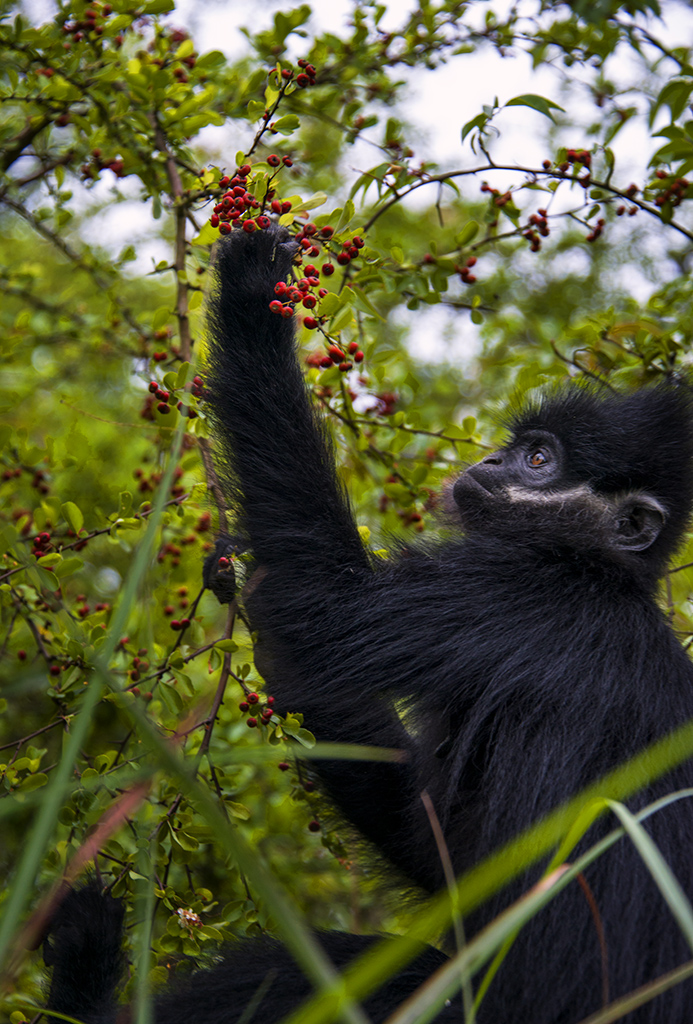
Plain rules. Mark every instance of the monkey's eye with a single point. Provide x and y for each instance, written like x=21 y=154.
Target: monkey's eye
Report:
x=537 y=458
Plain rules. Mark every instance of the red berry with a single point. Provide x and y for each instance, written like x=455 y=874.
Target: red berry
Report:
x=184 y=623
x=310 y=322
x=262 y=221
x=153 y=387
x=21 y=655
x=287 y=312
x=244 y=705
x=287 y=161
x=251 y=723
x=343 y=259
x=276 y=206
x=310 y=270
x=353 y=347
x=471 y=261
x=303 y=80
x=310 y=302
x=273 y=160
x=336 y=353
x=245 y=170
x=224 y=229
x=314 y=826
x=283 y=766
x=327 y=269
x=214 y=220
x=249 y=226
x=358 y=357
x=346 y=365
x=163 y=408
x=286 y=206
x=276 y=306
x=174 y=624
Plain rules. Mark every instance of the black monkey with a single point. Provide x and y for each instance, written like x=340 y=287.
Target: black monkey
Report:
x=530 y=653
x=529 y=656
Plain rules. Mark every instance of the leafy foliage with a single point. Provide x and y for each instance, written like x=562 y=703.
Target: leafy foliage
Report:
x=110 y=500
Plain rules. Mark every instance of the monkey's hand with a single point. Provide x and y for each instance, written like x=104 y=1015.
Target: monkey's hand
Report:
x=250 y=264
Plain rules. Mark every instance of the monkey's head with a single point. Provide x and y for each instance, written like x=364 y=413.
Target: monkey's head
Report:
x=590 y=471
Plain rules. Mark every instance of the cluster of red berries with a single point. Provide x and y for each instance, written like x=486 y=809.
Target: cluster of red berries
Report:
x=42 y=544
x=578 y=156
x=139 y=665
x=38 y=481
x=251 y=700
x=596 y=231
x=304 y=78
x=174 y=550
x=167 y=399
x=91 y=170
x=179 y=624
x=89 y=24
x=539 y=226
x=235 y=204
x=10 y=474
x=674 y=192
x=307 y=290
x=337 y=356
x=83 y=607
x=465 y=271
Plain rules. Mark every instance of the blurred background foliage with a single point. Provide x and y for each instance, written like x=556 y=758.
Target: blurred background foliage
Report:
x=477 y=281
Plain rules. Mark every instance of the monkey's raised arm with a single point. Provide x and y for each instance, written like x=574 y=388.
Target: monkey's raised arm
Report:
x=318 y=605
x=277 y=460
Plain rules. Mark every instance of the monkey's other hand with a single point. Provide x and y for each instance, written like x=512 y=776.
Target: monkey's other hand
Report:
x=251 y=263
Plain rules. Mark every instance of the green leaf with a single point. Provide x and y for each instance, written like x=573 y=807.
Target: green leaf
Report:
x=287 y=124
x=207 y=236
x=468 y=232
x=68 y=566
x=73 y=515
x=540 y=103
x=187 y=842
x=237 y=810
x=160 y=318
x=159 y=6
x=305 y=738
x=32 y=782
x=185 y=49
x=479 y=121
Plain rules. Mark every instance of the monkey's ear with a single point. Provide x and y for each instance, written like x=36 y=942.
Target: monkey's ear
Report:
x=639 y=521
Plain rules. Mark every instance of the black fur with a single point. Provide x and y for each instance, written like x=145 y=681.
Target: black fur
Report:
x=84 y=950
x=531 y=655
x=257 y=980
